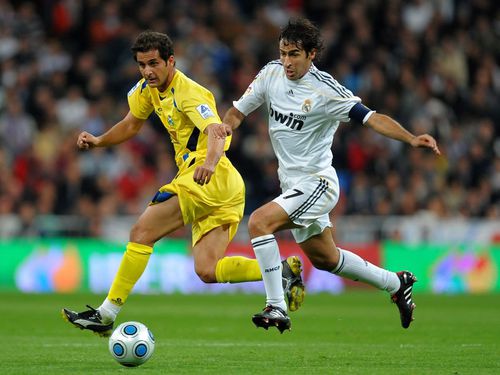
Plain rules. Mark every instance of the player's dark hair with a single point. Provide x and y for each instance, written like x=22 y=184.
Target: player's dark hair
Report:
x=152 y=40
x=304 y=34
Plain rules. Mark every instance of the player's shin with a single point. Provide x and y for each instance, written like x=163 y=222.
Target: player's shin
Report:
x=237 y=269
x=133 y=264
x=267 y=254
x=353 y=267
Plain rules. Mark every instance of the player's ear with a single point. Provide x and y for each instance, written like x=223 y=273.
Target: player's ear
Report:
x=312 y=54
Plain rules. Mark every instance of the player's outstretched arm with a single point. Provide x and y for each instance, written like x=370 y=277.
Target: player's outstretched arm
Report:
x=215 y=149
x=233 y=118
x=120 y=132
x=387 y=126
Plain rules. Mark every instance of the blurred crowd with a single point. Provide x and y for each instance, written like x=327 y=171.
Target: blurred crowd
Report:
x=66 y=66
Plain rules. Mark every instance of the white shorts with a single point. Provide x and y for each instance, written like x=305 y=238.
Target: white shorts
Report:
x=308 y=201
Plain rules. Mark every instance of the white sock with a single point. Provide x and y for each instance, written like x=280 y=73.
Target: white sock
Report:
x=355 y=268
x=108 y=311
x=268 y=256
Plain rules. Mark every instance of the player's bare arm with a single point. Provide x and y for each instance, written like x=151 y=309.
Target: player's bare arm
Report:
x=233 y=118
x=120 y=132
x=215 y=149
x=222 y=130
x=388 y=127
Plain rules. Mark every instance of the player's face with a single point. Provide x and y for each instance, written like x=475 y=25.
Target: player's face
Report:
x=295 y=60
x=155 y=70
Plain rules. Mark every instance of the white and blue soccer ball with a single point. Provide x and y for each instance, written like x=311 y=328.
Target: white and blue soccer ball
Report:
x=131 y=344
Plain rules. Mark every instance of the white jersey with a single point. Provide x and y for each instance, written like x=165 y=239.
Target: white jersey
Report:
x=303 y=115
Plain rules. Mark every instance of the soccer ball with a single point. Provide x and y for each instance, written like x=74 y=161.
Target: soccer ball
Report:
x=131 y=344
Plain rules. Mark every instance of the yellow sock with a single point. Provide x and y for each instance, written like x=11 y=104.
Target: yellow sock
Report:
x=133 y=264
x=237 y=269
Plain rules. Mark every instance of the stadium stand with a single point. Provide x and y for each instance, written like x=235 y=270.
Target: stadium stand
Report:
x=65 y=66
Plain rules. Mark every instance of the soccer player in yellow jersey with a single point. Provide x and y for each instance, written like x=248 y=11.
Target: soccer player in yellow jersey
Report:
x=207 y=192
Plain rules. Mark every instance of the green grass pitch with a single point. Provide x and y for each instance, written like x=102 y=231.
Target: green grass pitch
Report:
x=352 y=333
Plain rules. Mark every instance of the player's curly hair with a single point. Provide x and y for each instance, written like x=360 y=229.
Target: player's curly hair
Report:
x=152 y=40
x=304 y=34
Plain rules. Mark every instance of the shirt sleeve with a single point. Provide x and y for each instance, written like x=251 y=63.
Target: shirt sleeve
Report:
x=360 y=113
x=139 y=100
x=255 y=94
x=338 y=107
x=198 y=104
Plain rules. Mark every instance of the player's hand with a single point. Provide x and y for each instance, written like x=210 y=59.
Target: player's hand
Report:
x=219 y=131
x=425 y=140
x=227 y=128
x=86 y=141
x=203 y=174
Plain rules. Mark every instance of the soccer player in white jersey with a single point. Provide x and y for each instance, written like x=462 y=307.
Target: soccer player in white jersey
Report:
x=305 y=107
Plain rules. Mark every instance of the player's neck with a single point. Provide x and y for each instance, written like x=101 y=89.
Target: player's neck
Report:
x=168 y=81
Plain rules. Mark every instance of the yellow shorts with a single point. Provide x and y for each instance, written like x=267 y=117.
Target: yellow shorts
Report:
x=206 y=207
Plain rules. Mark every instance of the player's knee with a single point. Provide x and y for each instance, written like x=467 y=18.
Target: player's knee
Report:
x=139 y=234
x=257 y=225
x=206 y=274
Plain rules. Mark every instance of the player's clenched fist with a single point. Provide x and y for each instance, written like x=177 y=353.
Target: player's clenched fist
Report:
x=86 y=141
x=203 y=174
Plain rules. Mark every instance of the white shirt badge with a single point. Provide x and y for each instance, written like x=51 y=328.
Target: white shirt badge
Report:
x=306 y=106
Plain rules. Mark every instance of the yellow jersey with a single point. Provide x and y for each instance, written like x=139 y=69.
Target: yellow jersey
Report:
x=185 y=109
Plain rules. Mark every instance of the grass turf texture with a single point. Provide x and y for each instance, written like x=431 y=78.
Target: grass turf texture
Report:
x=352 y=333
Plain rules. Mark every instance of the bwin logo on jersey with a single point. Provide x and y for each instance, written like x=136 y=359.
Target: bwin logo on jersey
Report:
x=292 y=120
